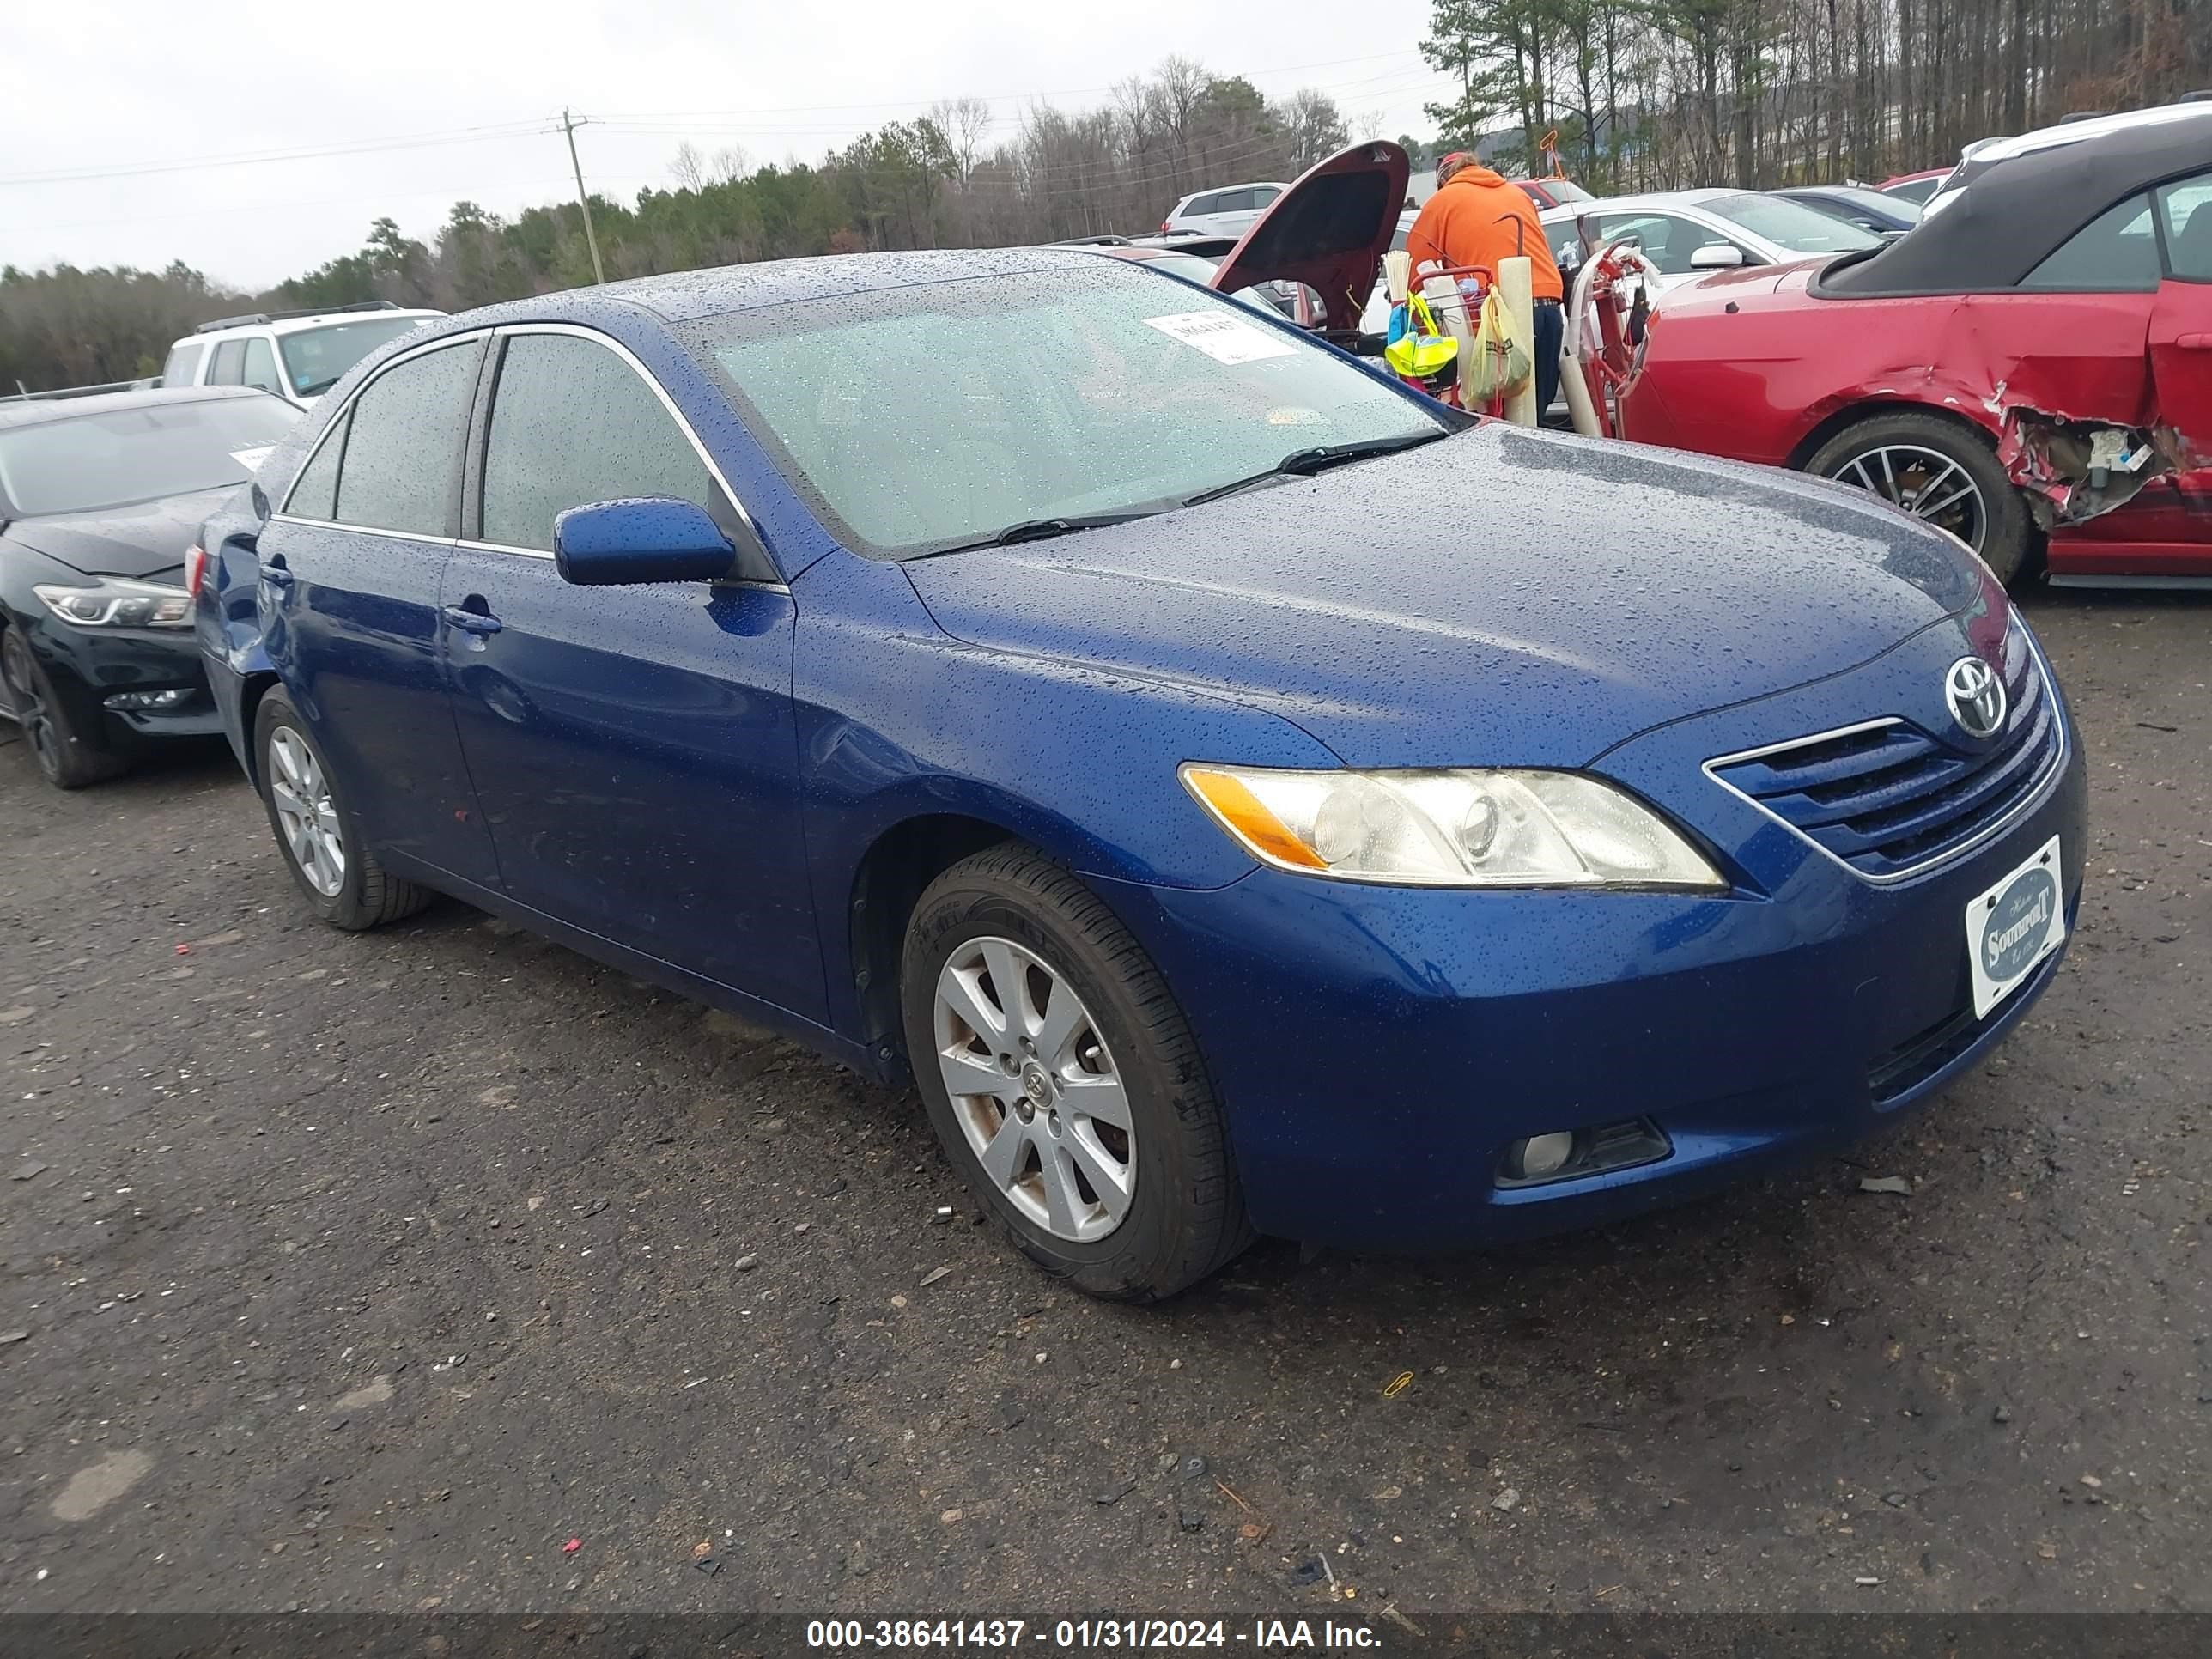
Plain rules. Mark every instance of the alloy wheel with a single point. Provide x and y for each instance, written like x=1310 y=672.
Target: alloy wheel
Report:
x=1035 y=1089
x=1926 y=484
x=301 y=794
x=31 y=713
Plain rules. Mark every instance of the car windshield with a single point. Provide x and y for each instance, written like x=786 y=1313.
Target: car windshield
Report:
x=1791 y=225
x=914 y=420
x=1916 y=193
x=316 y=358
x=113 y=457
x=1562 y=191
x=1186 y=264
x=1873 y=200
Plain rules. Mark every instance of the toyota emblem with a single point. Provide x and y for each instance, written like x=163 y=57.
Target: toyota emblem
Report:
x=1977 y=696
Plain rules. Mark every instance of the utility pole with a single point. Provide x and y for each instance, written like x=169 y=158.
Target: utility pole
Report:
x=570 y=126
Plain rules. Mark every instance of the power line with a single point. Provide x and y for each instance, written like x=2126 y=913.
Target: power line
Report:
x=362 y=147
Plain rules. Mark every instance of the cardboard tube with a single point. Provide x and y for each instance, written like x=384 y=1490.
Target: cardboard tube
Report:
x=1513 y=285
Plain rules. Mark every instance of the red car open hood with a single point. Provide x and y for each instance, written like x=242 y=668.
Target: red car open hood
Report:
x=1330 y=230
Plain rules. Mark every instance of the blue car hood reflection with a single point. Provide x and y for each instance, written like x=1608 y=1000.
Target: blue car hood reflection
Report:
x=1501 y=597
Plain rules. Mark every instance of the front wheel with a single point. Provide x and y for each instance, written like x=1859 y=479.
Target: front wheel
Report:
x=1938 y=470
x=1064 y=1082
x=322 y=840
x=67 y=758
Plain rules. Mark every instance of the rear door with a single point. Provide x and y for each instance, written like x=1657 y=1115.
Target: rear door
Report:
x=349 y=569
x=633 y=747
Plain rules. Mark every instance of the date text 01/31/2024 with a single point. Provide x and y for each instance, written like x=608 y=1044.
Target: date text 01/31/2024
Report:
x=1085 y=1633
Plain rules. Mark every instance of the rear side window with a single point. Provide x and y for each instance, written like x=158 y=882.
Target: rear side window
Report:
x=401 y=470
x=315 y=495
x=229 y=357
x=260 y=367
x=571 y=423
x=2116 y=252
x=1208 y=203
x=2184 y=210
x=184 y=362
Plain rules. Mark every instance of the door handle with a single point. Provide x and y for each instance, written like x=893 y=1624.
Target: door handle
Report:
x=2194 y=342
x=472 y=621
x=275 y=575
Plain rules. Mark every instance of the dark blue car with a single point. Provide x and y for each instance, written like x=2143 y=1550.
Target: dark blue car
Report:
x=1243 y=795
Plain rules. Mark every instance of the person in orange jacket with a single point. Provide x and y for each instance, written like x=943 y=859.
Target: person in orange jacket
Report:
x=1478 y=218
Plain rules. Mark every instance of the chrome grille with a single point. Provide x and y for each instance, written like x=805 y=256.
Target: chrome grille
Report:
x=1889 y=799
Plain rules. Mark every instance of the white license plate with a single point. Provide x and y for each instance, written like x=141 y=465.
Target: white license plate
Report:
x=2013 y=926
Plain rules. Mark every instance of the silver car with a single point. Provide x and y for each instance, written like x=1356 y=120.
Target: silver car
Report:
x=1229 y=210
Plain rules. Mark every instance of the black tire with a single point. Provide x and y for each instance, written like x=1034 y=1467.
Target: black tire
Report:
x=367 y=894
x=1186 y=1215
x=69 y=758
x=2007 y=532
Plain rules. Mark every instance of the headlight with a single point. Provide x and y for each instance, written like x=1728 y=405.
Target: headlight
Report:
x=112 y=602
x=1455 y=828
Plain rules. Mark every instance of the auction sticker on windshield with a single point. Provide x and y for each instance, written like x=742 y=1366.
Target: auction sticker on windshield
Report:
x=1224 y=338
x=2014 y=925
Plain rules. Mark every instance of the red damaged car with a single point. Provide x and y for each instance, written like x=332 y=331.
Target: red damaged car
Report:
x=2031 y=367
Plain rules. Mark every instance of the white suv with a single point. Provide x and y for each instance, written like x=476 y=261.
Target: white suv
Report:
x=297 y=354
x=1229 y=211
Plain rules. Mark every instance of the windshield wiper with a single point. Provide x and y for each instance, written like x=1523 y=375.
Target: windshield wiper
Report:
x=1304 y=463
x=1041 y=530
x=320 y=386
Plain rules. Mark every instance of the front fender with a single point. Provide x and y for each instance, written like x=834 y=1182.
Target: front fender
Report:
x=897 y=720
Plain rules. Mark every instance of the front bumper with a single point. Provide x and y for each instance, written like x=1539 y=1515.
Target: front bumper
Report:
x=1377 y=1049
x=89 y=666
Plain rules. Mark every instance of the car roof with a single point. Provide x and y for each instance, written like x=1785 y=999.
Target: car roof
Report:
x=2073 y=132
x=299 y=325
x=2008 y=215
x=1250 y=183
x=691 y=295
x=39 y=411
x=1649 y=201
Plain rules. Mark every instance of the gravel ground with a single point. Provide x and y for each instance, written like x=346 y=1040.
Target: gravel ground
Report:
x=369 y=1273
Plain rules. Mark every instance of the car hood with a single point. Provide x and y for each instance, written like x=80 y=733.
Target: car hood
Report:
x=141 y=540
x=1330 y=230
x=1503 y=597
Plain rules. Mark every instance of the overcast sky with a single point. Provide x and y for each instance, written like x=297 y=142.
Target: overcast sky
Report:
x=149 y=92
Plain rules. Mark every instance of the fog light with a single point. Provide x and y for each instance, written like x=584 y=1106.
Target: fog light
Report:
x=141 y=700
x=1540 y=1155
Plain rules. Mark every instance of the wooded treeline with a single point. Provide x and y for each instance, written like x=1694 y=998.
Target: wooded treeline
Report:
x=1642 y=93
x=1663 y=94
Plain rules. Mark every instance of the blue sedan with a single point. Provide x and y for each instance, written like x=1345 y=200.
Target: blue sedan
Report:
x=1242 y=795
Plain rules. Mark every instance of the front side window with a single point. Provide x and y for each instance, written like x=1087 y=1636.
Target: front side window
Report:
x=933 y=417
x=2116 y=252
x=403 y=454
x=2184 y=210
x=1667 y=240
x=316 y=358
x=572 y=423
x=1791 y=225
x=184 y=362
x=259 y=369
x=229 y=359
x=119 y=456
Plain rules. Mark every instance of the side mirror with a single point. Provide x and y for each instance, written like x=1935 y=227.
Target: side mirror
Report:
x=651 y=539
x=1716 y=255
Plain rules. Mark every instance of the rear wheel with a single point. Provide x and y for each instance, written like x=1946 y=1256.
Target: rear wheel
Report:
x=68 y=756
x=1064 y=1082
x=1938 y=470
x=321 y=838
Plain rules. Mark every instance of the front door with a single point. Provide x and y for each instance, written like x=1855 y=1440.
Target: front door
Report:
x=349 y=600
x=633 y=747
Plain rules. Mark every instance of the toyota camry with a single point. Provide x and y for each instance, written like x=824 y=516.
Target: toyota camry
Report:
x=1241 y=795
